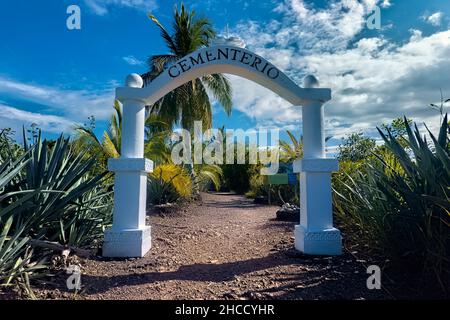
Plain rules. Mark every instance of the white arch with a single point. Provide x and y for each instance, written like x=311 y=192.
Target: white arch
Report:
x=131 y=237
x=227 y=59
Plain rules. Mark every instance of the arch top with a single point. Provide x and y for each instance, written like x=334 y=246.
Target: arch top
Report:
x=224 y=59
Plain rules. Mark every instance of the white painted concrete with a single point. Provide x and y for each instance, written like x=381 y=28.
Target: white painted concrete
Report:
x=242 y=64
x=313 y=130
x=130 y=237
x=315 y=234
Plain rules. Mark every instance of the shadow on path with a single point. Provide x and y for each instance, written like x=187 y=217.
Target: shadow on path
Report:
x=316 y=278
x=194 y=272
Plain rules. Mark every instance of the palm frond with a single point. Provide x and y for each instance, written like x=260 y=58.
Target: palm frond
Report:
x=166 y=36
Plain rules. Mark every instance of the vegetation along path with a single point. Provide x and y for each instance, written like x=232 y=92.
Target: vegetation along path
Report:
x=225 y=248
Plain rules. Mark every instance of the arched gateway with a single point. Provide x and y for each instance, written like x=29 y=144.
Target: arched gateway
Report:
x=129 y=235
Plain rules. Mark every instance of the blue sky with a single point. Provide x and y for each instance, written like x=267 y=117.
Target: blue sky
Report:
x=55 y=77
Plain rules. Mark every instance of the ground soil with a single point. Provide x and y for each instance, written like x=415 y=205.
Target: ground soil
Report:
x=225 y=247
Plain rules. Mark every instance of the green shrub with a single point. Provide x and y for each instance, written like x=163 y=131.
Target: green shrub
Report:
x=355 y=147
x=16 y=266
x=169 y=183
x=399 y=200
x=70 y=207
x=236 y=177
x=279 y=194
x=48 y=193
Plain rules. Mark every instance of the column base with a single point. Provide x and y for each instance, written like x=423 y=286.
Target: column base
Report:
x=326 y=242
x=131 y=243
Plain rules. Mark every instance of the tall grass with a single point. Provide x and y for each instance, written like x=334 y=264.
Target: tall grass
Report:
x=399 y=200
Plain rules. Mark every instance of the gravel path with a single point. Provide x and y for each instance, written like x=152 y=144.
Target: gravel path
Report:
x=225 y=248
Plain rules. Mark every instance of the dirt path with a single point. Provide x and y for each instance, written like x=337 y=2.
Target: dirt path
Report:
x=226 y=248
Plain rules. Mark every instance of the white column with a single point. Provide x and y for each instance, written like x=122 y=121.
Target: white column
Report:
x=315 y=234
x=129 y=235
x=133 y=122
x=313 y=130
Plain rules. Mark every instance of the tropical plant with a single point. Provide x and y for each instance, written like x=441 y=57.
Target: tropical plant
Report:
x=169 y=183
x=396 y=127
x=236 y=177
x=107 y=148
x=399 y=200
x=54 y=197
x=16 y=266
x=190 y=101
x=291 y=151
x=156 y=135
x=47 y=194
x=206 y=176
x=356 y=147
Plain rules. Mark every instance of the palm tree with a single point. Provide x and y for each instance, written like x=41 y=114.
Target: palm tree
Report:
x=293 y=150
x=155 y=140
x=191 y=101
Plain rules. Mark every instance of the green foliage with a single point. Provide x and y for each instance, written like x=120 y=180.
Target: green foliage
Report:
x=67 y=199
x=47 y=192
x=8 y=148
x=356 y=147
x=157 y=133
x=104 y=149
x=15 y=254
x=16 y=265
x=168 y=184
x=236 y=177
x=291 y=151
x=397 y=127
x=399 y=200
x=278 y=194
x=206 y=176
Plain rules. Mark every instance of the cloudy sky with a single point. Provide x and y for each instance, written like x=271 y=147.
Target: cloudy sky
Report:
x=56 y=77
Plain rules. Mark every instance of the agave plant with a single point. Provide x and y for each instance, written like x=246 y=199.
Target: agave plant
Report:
x=401 y=199
x=54 y=193
x=16 y=264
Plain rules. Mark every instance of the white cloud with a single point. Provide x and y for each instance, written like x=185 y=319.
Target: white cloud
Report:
x=14 y=118
x=71 y=106
x=434 y=19
x=386 y=4
x=373 y=80
x=315 y=29
x=101 y=7
x=416 y=35
x=132 y=60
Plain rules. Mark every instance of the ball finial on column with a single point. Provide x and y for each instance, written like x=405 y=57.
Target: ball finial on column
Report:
x=310 y=81
x=134 y=81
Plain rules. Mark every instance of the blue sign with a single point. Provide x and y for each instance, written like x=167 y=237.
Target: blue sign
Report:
x=292 y=178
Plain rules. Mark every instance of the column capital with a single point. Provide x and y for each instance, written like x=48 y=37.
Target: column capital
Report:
x=132 y=89
x=310 y=81
x=316 y=165
x=314 y=103
x=134 y=80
